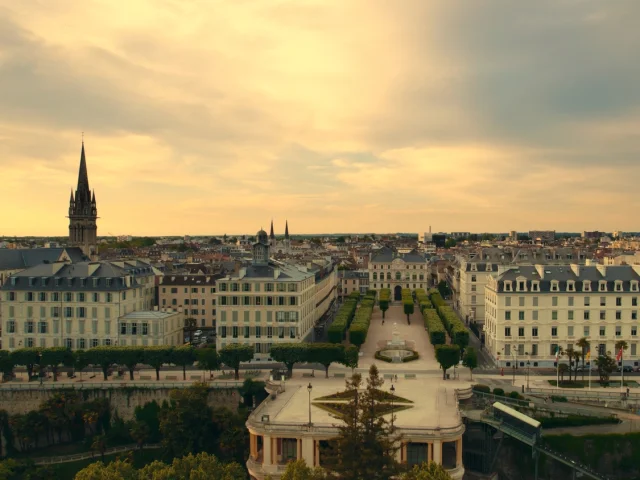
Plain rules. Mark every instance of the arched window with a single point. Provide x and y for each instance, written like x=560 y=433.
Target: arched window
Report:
x=375 y=275
x=398 y=276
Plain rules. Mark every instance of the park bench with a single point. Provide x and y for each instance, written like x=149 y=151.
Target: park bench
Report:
x=145 y=377
x=171 y=377
x=338 y=375
x=410 y=376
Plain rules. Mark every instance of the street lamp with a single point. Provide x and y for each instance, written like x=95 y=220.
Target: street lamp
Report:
x=528 y=373
x=309 y=388
x=393 y=391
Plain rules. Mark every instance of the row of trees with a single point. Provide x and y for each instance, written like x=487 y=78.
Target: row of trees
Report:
x=344 y=316
x=321 y=353
x=605 y=364
x=452 y=323
x=423 y=299
x=362 y=319
x=108 y=358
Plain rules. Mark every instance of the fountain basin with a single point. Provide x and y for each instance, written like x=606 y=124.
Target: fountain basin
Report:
x=396 y=355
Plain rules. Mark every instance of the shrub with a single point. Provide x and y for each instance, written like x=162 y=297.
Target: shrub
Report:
x=380 y=357
x=498 y=391
x=362 y=319
x=343 y=319
x=575 y=421
x=516 y=396
x=434 y=326
x=481 y=388
x=412 y=357
x=558 y=398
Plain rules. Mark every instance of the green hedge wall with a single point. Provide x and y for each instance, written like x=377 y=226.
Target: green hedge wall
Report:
x=360 y=325
x=434 y=326
x=452 y=323
x=343 y=320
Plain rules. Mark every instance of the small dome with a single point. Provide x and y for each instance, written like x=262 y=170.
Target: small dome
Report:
x=262 y=237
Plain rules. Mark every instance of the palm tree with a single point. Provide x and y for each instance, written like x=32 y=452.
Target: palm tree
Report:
x=191 y=324
x=563 y=369
x=584 y=345
x=569 y=353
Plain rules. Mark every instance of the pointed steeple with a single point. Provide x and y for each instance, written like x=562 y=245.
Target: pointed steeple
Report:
x=71 y=200
x=286 y=229
x=271 y=235
x=93 y=196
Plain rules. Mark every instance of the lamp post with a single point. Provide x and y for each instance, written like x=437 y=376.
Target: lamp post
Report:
x=309 y=388
x=393 y=391
x=528 y=373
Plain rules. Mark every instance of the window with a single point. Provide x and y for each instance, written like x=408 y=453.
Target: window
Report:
x=603 y=314
x=507 y=315
x=534 y=331
x=634 y=315
x=585 y=331
x=570 y=300
x=234 y=331
x=634 y=301
x=521 y=331
x=473 y=278
x=520 y=315
x=603 y=331
x=554 y=348
x=618 y=301
x=67 y=297
x=586 y=315
x=554 y=315
x=634 y=331
x=68 y=343
x=473 y=299
x=95 y=343
x=570 y=314
x=570 y=331
x=123 y=328
x=80 y=297
x=554 y=301
x=507 y=331
x=554 y=331
x=603 y=301
x=109 y=297
x=134 y=329
x=586 y=301
x=618 y=315
x=507 y=301
x=618 y=331
x=535 y=301
x=246 y=332
x=521 y=301
x=554 y=286
x=534 y=315
x=11 y=326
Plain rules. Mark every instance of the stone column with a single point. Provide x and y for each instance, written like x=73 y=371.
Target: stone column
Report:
x=429 y=452
x=253 y=444
x=459 y=452
x=267 y=442
x=437 y=451
x=307 y=450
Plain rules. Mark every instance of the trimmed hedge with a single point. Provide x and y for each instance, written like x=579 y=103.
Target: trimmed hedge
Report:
x=575 y=421
x=481 y=388
x=452 y=323
x=343 y=319
x=434 y=326
x=423 y=299
x=362 y=319
x=498 y=391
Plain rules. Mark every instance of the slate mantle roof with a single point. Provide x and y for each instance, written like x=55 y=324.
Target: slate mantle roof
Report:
x=387 y=255
x=19 y=259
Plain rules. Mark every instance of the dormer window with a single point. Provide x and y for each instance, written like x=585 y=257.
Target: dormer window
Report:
x=474 y=267
x=634 y=285
x=521 y=286
x=32 y=281
x=13 y=281
x=109 y=280
x=571 y=286
x=555 y=286
x=602 y=286
x=43 y=281
x=70 y=281
x=507 y=286
x=535 y=286
x=618 y=286
x=586 y=286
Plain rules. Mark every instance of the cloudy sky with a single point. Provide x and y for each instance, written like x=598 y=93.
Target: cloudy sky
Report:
x=214 y=116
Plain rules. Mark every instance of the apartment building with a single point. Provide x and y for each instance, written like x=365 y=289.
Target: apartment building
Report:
x=352 y=281
x=270 y=301
x=194 y=296
x=390 y=269
x=78 y=305
x=476 y=266
x=531 y=310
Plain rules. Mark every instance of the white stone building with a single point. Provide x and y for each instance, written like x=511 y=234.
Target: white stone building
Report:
x=390 y=269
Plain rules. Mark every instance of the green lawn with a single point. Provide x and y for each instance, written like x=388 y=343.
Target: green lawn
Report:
x=67 y=471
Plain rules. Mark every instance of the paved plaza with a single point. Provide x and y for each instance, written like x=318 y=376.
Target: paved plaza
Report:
x=415 y=334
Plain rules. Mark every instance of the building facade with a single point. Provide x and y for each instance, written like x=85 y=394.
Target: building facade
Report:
x=542 y=236
x=77 y=305
x=352 y=281
x=390 y=269
x=194 y=296
x=531 y=310
x=272 y=302
x=83 y=213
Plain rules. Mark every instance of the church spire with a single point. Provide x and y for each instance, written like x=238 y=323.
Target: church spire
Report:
x=286 y=229
x=271 y=235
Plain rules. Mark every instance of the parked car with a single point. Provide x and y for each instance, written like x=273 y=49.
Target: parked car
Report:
x=627 y=369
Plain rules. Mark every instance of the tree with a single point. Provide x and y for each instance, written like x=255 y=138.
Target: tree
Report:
x=6 y=364
x=102 y=357
x=351 y=357
x=427 y=471
x=116 y=470
x=470 y=360
x=53 y=357
x=443 y=288
x=80 y=361
x=139 y=432
x=383 y=302
x=185 y=424
x=129 y=356
x=450 y=243
x=447 y=356
x=408 y=308
x=199 y=466
x=606 y=365
x=569 y=353
x=157 y=357
x=584 y=345
x=621 y=346
x=289 y=354
x=99 y=444
x=234 y=354
x=208 y=358
x=365 y=446
x=562 y=369
x=325 y=354
x=299 y=470
x=183 y=356
x=27 y=357
x=191 y=325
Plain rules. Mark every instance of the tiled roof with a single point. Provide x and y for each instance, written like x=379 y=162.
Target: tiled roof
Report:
x=19 y=259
